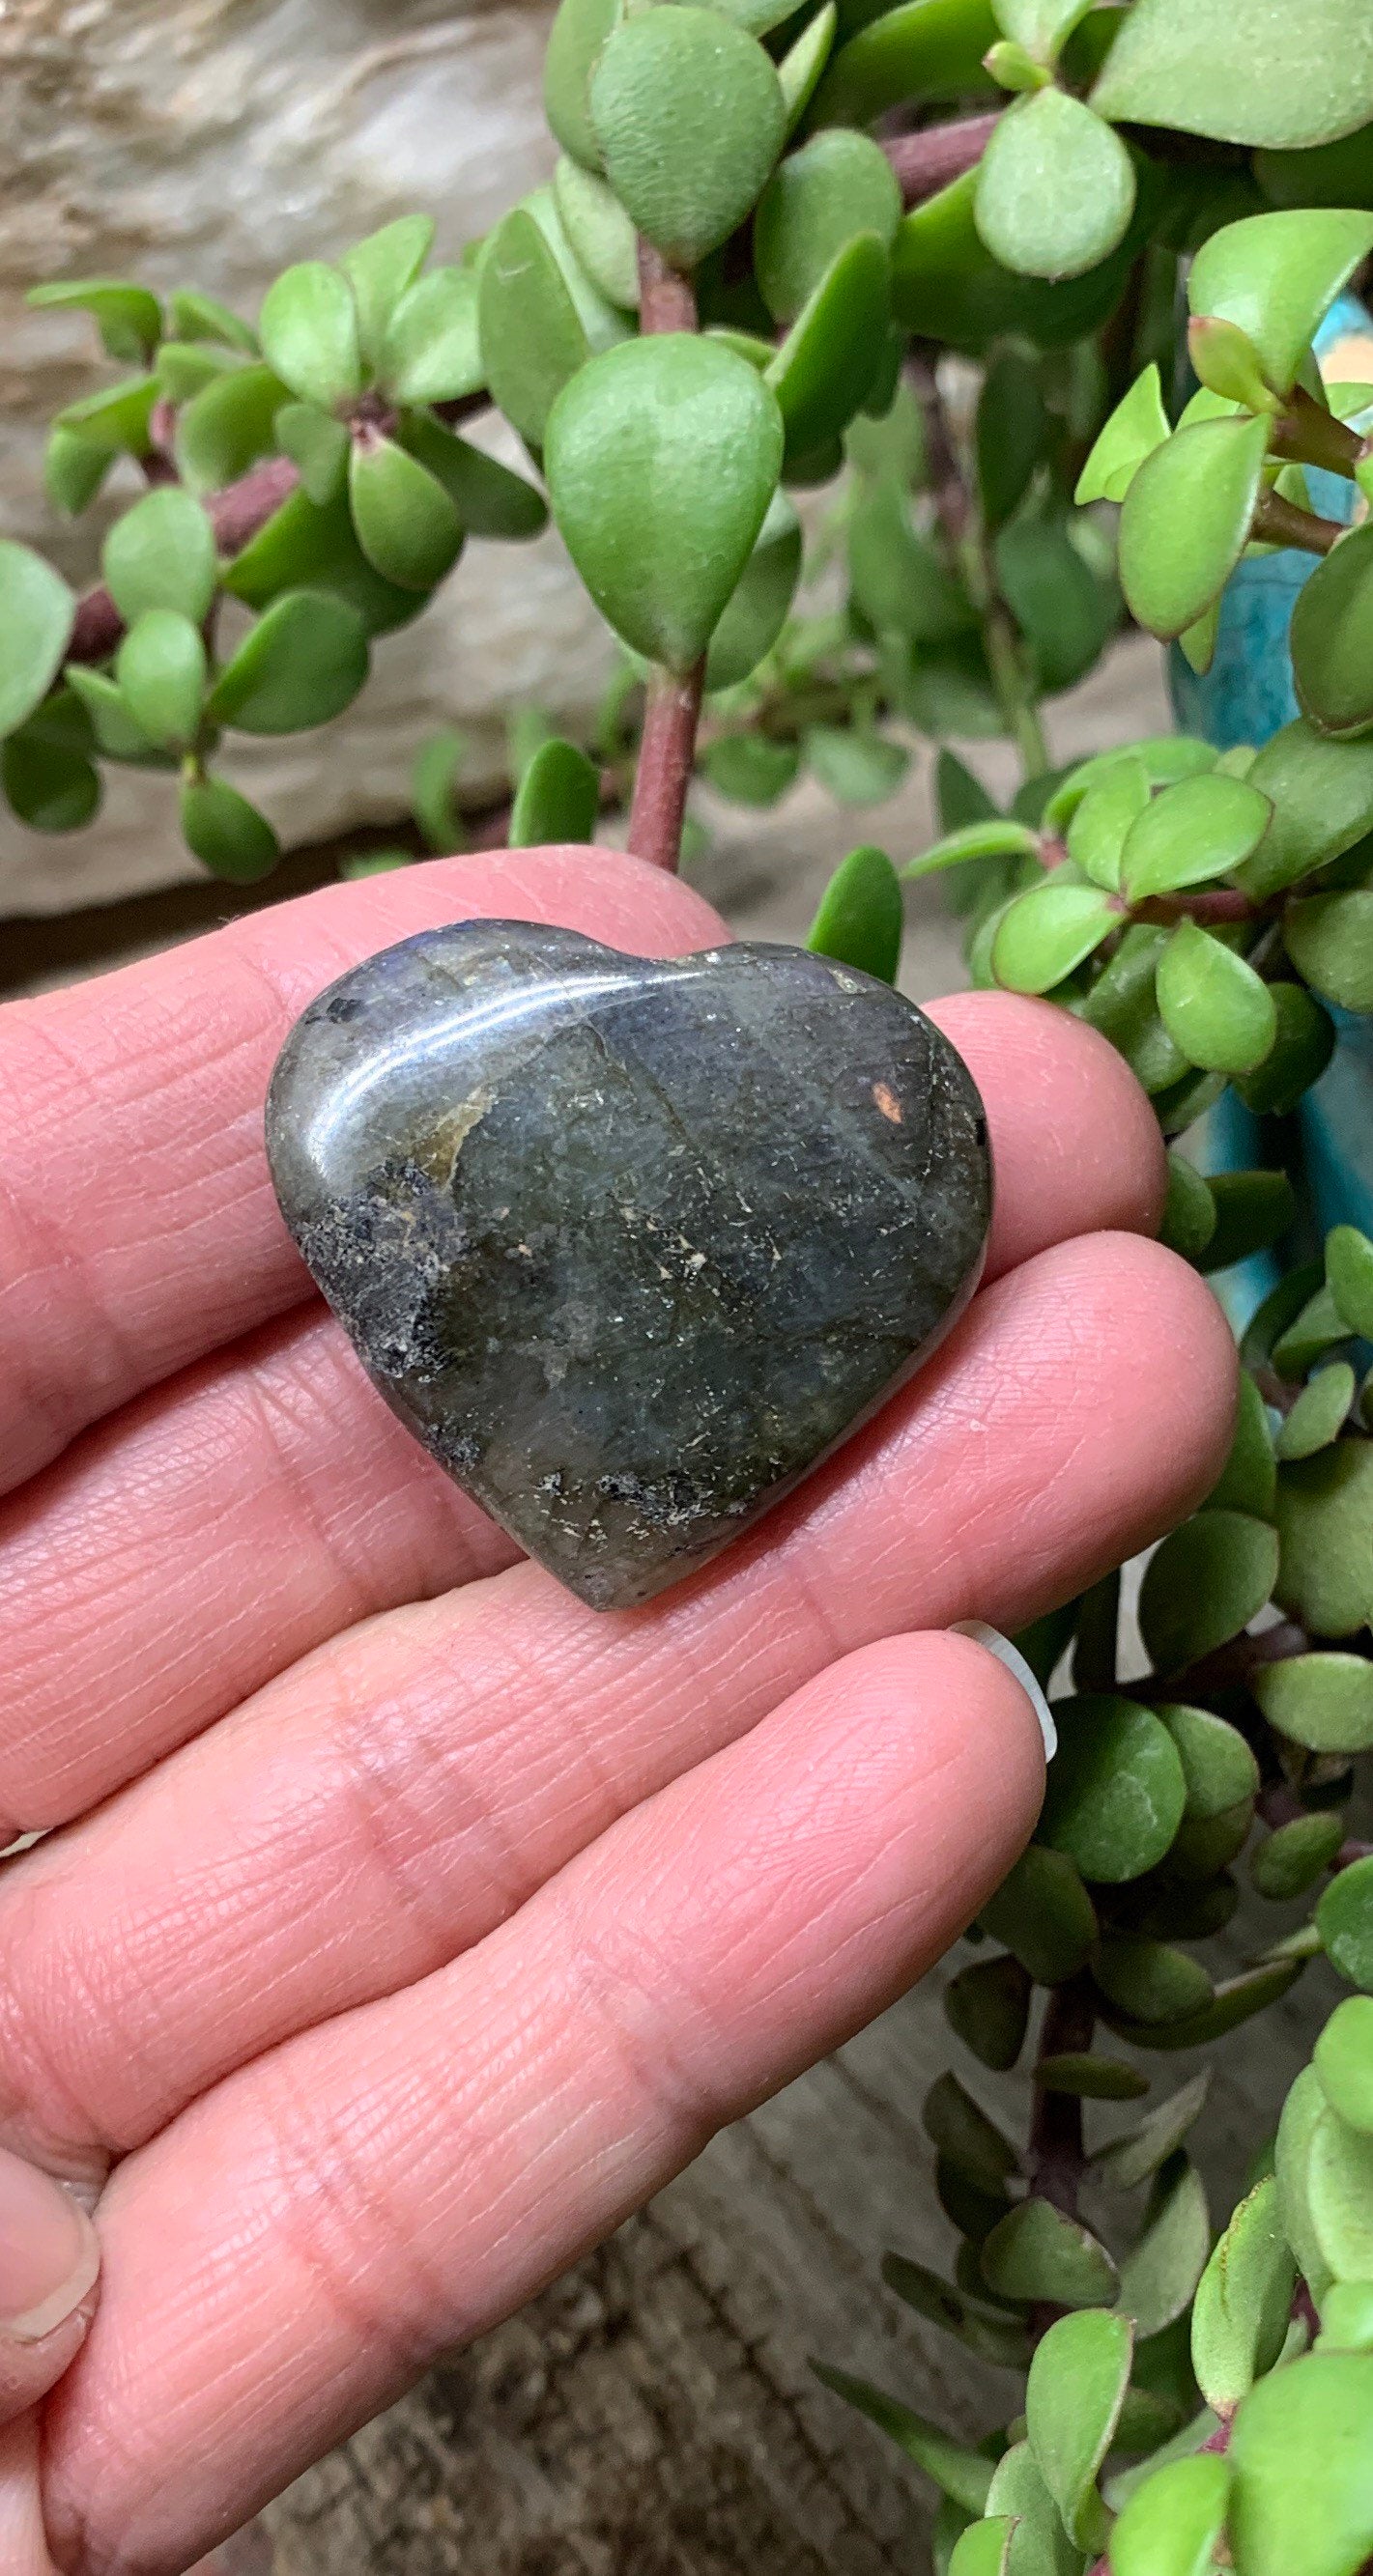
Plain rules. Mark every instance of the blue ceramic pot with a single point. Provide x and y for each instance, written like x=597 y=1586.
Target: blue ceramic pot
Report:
x=1246 y=696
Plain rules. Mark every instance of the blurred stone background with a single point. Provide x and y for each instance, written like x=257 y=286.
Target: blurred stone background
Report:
x=653 y=2415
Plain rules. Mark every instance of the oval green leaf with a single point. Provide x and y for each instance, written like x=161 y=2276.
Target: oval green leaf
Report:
x=128 y=318
x=1159 y=2276
x=1329 y=938
x=161 y=670
x=557 y=800
x=488 y=498
x=308 y=327
x=1275 y=276
x=1303 y=1043
x=837 y=185
x=1131 y=2160
x=959 y=2473
x=1043 y=1914
x=1049 y=931
x=927 y=50
x=988 y=2006
x=1349 y=1270
x=578 y=33
x=598 y=231
x=226 y=833
x=1324 y=1701
x=1325 y=1523
x=303 y=663
x=1320 y=1412
x=532 y=341
x=1194 y=831
x=1205 y=1584
x=663 y=455
x=1073 y=2398
x=1344 y=2062
x=822 y=370
x=1055 y=188
x=37 y=613
x=1186 y=517
x=1171 y=2524
x=50 y=787
x=860 y=918
x=1149 y=1981
x=406 y=524
x=1302 y=2466
x=1036 y=2253
x=1214 y=1006
x=1116 y=1790
x=1136 y=427
x=1242 y=72
x=161 y=554
x=1344 y=1920
x=690 y=118
x=1332 y=638
x=432 y=348
x=379 y=271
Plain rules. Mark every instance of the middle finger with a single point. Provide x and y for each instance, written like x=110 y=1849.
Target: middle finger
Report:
x=386 y=1804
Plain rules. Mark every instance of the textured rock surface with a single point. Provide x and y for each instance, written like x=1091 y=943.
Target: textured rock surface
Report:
x=629 y=1243
x=210 y=142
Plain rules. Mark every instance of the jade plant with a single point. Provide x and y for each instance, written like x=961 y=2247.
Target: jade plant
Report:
x=834 y=347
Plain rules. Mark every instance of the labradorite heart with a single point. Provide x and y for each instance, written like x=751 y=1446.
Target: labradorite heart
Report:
x=628 y=1243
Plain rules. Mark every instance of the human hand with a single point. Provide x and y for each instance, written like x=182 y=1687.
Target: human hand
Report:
x=410 y=1924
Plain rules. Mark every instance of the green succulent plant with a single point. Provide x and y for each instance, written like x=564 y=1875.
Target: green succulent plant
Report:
x=722 y=335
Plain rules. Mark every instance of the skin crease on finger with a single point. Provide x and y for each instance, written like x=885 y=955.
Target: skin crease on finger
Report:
x=285 y=2259
x=226 y=1523
x=407 y=1789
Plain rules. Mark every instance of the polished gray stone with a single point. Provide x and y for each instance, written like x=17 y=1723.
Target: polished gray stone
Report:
x=628 y=1243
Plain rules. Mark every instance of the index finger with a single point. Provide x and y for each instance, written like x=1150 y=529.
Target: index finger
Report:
x=138 y=1229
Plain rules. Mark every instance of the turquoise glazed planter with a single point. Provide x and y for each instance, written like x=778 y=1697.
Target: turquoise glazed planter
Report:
x=1246 y=696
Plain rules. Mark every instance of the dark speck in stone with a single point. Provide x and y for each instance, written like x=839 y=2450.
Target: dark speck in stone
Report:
x=629 y=1244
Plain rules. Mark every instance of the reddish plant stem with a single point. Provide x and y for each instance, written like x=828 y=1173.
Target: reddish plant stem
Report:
x=672 y=710
x=667 y=752
x=930 y=160
x=237 y=514
x=1225 y=1668
x=1280 y=523
x=1311 y=435
x=1215 y=903
x=1058 y=2157
x=666 y=298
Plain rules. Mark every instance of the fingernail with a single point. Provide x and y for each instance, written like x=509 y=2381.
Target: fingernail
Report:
x=1016 y=1665
x=49 y=2252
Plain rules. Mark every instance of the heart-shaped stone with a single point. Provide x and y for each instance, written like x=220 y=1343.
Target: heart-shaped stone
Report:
x=629 y=1243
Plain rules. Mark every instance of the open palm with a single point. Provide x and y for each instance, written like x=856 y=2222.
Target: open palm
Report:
x=409 y=1924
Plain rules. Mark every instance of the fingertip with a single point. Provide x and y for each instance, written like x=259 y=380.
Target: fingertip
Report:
x=1075 y=1142
x=974 y=1742
x=1002 y=1741
x=1187 y=1354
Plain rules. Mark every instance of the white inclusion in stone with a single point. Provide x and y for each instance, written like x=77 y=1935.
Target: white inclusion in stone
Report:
x=1016 y=1665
